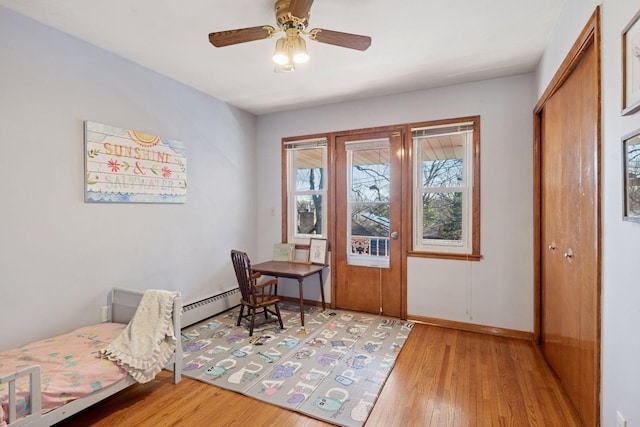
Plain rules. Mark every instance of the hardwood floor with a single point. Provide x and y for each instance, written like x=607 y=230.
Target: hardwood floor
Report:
x=443 y=377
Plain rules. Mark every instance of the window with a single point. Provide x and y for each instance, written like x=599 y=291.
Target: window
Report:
x=446 y=189
x=306 y=189
x=368 y=202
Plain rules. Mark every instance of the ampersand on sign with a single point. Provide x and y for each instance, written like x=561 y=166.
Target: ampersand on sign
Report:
x=138 y=169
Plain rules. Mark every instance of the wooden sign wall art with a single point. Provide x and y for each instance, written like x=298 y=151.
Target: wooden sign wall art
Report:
x=130 y=166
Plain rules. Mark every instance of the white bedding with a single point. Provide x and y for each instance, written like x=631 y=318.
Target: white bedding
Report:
x=148 y=341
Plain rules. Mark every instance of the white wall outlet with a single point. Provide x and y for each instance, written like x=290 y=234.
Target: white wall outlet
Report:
x=104 y=316
x=620 y=421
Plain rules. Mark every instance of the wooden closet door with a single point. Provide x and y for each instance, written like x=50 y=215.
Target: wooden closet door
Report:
x=555 y=215
x=570 y=236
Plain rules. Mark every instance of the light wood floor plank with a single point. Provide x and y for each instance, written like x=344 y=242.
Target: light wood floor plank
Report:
x=443 y=377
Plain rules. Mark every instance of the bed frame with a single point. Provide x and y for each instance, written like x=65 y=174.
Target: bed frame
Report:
x=123 y=303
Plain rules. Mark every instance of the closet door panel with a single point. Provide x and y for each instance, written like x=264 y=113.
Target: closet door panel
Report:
x=570 y=235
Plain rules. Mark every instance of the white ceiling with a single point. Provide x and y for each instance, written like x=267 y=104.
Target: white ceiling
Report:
x=416 y=44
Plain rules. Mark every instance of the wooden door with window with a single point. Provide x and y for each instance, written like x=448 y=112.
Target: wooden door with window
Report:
x=570 y=232
x=368 y=238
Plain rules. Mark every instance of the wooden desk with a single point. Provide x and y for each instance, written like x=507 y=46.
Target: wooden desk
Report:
x=292 y=270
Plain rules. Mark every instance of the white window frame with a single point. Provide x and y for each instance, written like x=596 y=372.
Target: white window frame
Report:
x=291 y=148
x=465 y=246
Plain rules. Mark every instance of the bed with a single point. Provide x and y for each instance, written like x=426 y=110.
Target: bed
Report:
x=35 y=393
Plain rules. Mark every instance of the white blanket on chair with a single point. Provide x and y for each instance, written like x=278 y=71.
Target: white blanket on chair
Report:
x=148 y=341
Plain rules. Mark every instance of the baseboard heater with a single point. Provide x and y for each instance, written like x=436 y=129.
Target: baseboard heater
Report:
x=197 y=311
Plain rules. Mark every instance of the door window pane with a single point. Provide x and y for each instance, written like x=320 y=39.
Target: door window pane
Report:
x=369 y=204
x=370 y=178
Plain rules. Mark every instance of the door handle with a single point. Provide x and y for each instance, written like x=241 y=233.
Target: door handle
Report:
x=568 y=255
x=394 y=235
x=552 y=247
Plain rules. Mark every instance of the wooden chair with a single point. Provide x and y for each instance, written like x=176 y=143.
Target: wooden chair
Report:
x=255 y=296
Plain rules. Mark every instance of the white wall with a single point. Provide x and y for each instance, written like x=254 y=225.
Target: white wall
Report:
x=60 y=256
x=497 y=291
x=620 y=240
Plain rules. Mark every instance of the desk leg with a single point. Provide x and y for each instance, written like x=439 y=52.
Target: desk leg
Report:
x=301 y=302
x=321 y=289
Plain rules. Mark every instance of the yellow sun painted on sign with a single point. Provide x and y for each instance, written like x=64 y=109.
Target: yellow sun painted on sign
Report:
x=144 y=139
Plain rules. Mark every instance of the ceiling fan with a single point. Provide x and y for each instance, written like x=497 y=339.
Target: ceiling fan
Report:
x=292 y=17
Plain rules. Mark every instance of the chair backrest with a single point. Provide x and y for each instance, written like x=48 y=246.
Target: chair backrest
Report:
x=242 y=267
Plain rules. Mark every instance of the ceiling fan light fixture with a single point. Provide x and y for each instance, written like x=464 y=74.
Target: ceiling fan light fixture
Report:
x=300 y=54
x=292 y=17
x=281 y=54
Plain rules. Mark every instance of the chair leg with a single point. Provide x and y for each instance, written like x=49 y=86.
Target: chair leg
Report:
x=278 y=313
x=253 y=320
x=240 y=316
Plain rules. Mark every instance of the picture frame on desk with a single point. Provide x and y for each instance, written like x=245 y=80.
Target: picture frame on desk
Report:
x=301 y=256
x=284 y=251
x=318 y=251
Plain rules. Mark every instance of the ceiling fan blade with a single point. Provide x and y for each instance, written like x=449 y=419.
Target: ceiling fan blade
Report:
x=351 y=41
x=300 y=8
x=241 y=35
